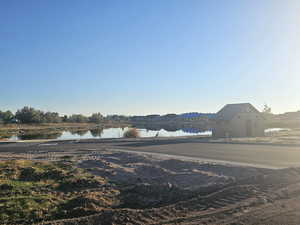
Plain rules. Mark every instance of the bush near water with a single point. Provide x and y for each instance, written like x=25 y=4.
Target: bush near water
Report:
x=132 y=133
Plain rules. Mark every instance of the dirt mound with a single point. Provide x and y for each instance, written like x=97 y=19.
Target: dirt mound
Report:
x=124 y=188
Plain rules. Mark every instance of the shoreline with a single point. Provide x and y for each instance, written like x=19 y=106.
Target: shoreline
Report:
x=7 y=131
x=51 y=132
x=197 y=138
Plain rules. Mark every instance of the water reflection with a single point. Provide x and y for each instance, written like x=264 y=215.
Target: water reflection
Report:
x=193 y=130
x=97 y=132
x=78 y=132
x=31 y=136
x=81 y=132
x=145 y=131
x=174 y=128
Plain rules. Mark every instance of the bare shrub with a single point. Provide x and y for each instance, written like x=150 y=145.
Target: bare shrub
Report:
x=131 y=133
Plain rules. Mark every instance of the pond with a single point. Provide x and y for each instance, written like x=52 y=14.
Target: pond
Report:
x=110 y=133
x=118 y=133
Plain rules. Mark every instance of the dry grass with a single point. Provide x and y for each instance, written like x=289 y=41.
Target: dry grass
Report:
x=132 y=133
x=37 y=191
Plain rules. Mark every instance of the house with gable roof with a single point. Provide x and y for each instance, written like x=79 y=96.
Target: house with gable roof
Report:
x=238 y=120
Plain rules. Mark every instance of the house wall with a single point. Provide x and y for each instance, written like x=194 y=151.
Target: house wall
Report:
x=242 y=125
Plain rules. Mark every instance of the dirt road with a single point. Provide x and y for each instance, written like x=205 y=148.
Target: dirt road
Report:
x=269 y=156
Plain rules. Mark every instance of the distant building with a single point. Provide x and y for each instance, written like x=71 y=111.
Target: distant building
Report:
x=194 y=116
x=238 y=120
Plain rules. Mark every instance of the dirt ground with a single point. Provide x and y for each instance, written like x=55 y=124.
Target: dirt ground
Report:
x=165 y=189
x=156 y=190
x=253 y=154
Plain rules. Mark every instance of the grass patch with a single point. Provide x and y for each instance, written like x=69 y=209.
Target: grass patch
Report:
x=32 y=192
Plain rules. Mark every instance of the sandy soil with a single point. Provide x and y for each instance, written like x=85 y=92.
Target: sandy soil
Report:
x=172 y=191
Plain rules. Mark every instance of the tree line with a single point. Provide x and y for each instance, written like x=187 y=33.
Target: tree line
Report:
x=31 y=115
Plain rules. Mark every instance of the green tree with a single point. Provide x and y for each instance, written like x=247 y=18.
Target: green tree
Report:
x=52 y=117
x=96 y=118
x=64 y=118
x=78 y=118
x=29 y=115
x=6 y=117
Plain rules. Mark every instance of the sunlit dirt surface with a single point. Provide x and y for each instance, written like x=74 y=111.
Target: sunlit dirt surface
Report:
x=172 y=191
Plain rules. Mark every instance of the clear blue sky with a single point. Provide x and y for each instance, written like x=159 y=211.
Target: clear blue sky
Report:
x=143 y=57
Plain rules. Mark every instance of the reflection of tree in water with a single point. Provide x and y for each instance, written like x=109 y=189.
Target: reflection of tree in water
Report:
x=171 y=128
x=150 y=127
x=187 y=128
x=81 y=132
x=191 y=130
x=78 y=132
x=32 y=136
x=194 y=130
x=97 y=132
x=72 y=131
